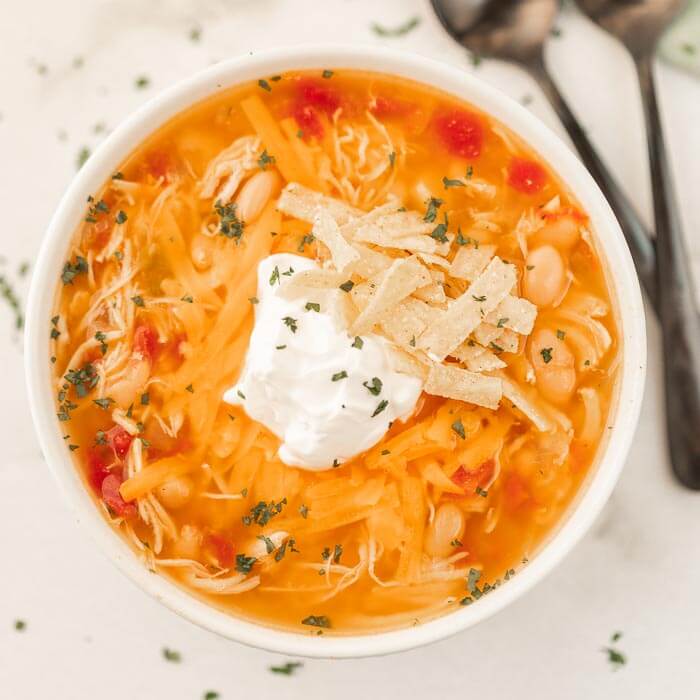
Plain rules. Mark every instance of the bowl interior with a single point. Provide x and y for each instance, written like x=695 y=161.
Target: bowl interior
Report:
x=623 y=286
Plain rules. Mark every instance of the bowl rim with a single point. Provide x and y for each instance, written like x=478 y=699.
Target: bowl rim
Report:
x=158 y=110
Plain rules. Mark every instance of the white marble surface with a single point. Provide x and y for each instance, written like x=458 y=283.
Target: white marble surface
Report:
x=89 y=632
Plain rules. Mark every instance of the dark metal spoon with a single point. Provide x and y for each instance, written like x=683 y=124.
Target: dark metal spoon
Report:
x=516 y=30
x=639 y=25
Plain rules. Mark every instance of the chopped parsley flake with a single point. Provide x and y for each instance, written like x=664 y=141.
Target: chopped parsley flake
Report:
x=83 y=379
x=472 y=579
x=82 y=157
x=211 y=695
x=380 y=407
x=100 y=337
x=358 y=342
x=244 y=564
x=327 y=74
x=145 y=399
x=104 y=403
x=347 y=286
x=288 y=668
x=447 y=182
x=275 y=276
x=458 y=427
x=254 y=300
x=138 y=300
x=439 y=233
x=561 y=334
x=265 y=160
x=230 y=225
x=502 y=322
x=392 y=158
x=303 y=511
x=263 y=512
x=172 y=655
x=339 y=375
x=481 y=492
x=20 y=625
x=264 y=85
x=401 y=30
x=375 y=387
x=188 y=298
x=189 y=388
x=269 y=544
x=481 y=298
x=291 y=323
x=72 y=270
x=121 y=217
x=546 y=355
x=312 y=306
x=431 y=212
x=142 y=82
x=616 y=658
x=307 y=239
x=317 y=621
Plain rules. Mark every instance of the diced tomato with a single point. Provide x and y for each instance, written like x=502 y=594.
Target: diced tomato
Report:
x=461 y=132
x=526 y=176
x=159 y=165
x=323 y=97
x=98 y=468
x=387 y=107
x=308 y=121
x=470 y=479
x=312 y=100
x=515 y=491
x=222 y=548
x=113 y=499
x=119 y=440
x=146 y=341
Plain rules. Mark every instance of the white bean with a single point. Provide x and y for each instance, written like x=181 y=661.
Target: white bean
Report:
x=175 y=492
x=555 y=374
x=256 y=193
x=545 y=276
x=447 y=526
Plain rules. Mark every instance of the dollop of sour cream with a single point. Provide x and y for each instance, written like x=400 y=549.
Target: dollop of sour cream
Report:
x=326 y=395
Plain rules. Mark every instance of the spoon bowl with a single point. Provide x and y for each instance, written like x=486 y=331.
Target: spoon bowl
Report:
x=638 y=24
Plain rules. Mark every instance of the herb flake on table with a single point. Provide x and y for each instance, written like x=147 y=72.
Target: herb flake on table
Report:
x=401 y=30
x=171 y=655
x=20 y=625
x=616 y=658
x=142 y=82
x=317 y=621
x=286 y=669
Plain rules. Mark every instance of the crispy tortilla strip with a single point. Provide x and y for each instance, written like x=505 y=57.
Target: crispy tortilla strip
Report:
x=467 y=312
x=508 y=341
x=433 y=293
x=405 y=363
x=302 y=203
x=403 y=277
x=402 y=230
x=454 y=383
x=407 y=321
x=326 y=230
x=477 y=358
x=516 y=396
x=470 y=262
x=487 y=333
x=515 y=313
x=436 y=260
x=371 y=262
x=301 y=282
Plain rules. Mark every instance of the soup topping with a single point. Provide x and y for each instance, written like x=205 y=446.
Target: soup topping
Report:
x=328 y=396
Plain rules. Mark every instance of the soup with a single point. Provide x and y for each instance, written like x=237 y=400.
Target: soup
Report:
x=334 y=351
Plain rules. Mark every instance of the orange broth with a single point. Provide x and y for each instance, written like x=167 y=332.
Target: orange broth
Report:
x=151 y=326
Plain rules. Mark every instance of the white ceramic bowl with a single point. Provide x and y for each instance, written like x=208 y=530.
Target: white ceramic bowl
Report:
x=625 y=290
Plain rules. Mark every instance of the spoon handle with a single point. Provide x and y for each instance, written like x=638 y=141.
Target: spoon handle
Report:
x=638 y=240
x=680 y=322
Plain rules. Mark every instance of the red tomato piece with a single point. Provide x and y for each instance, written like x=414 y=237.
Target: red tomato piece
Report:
x=159 y=165
x=308 y=121
x=146 y=341
x=113 y=499
x=470 y=479
x=461 y=132
x=222 y=548
x=387 y=107
x=322 y=97
x=526 y=176
x=98 y=468
x=119 y=440
x=515 y=491
x=573 y=212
